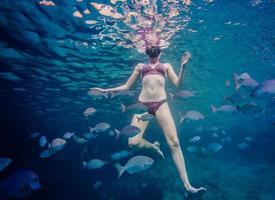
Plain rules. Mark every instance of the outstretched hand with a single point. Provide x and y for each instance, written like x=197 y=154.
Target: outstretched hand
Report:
x=185 y=58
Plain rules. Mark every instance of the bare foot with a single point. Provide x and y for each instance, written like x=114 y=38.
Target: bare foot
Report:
x=157 y=148
x=185 y=58
x=191 y=192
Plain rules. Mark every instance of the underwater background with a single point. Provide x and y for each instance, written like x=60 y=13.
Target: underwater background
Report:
x=50 y=58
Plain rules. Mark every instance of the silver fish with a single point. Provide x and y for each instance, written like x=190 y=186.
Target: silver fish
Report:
x=121 y=154
x=224 y=109
x=265 y=90
x=191 y=115
x=134 y=165
x=94 y=164
x=89 y=112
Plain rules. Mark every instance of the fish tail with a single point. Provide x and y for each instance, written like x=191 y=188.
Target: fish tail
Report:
x=171 y=96
x=236 y=78
x=123 y=108
x=106 y=94
x=120 y=169
x=117 y=134
x=181 y=117
x=84 y=164
x=91 y=129
x=213 y=109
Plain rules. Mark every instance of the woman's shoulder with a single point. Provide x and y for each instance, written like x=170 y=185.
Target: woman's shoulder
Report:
x=140 y=65
x=167 y=65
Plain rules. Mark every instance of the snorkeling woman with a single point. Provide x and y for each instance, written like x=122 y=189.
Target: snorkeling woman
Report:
x=153 y=95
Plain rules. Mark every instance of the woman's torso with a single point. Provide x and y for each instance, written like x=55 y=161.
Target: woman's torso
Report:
x=153 y=82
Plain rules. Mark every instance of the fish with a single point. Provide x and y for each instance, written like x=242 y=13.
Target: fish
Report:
x=136 y=164
x=227 y=83
x=97 y=184
x=243 y=146
x=128 y=131
x=19 y=184
x=4 y=163
x=183 y=94
x=215 y=147
x=136 y=108
x=96 y=92
x=236 y=97
x=57 y=144
x=226 y=140
x=68 y=135
x=122 y=93
x=224 y=109
x=102 y=127
x=94 y=164
x=47 y=3
x=89 y=112
x=43 y=141
x=120 y=154
x=89 y=136
x=215 y=135
x=249 y=108
x=81 y=140
x=246 y=81
x=195 y=139
x=248 y=139
x=266 y=89
x=191 y=115
x=35 y=135
x=213 y=128
x=192 y=149
x=146 y=117
x=45 y=154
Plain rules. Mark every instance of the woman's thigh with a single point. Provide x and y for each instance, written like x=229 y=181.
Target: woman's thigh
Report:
x=140 y=124
x=166 y=122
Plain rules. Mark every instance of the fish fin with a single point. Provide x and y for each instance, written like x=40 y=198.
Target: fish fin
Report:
x=112 y=95
x=120 y=169
x=171 y=96
x=213 y=109
x=139 y=118
x=123 y=108
x=236 y=81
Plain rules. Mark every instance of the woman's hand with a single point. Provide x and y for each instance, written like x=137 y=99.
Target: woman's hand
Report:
x=185 y=58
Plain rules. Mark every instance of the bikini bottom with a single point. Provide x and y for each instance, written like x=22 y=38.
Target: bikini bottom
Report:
x=153 y=105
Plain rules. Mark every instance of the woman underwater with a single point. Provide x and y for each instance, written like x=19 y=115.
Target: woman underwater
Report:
x=153 y=95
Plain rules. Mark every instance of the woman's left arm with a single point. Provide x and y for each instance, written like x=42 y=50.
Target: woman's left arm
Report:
x=177 y=80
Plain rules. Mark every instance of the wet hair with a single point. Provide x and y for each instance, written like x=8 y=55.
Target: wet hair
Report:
x=153 y=51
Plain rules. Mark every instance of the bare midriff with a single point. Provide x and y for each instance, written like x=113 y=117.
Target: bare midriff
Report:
x=153 y=88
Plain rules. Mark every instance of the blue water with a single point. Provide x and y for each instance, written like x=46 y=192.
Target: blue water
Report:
x=49 y=60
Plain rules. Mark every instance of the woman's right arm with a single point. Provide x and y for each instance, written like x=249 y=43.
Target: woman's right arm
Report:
x=126 y=85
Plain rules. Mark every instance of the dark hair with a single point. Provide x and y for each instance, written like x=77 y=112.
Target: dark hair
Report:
x=153 y=51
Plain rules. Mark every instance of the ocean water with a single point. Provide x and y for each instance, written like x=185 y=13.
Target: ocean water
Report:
x=50 y=58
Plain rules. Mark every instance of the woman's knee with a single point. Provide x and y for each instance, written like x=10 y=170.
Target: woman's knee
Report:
x=173 y=143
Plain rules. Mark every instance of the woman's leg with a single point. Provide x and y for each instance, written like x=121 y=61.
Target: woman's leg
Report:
x=138 y=141
x=167 y=124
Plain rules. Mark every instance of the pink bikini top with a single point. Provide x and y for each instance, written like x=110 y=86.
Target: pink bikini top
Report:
x=147 y=69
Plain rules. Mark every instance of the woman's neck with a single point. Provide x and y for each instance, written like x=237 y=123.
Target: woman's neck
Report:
x=154 y=60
